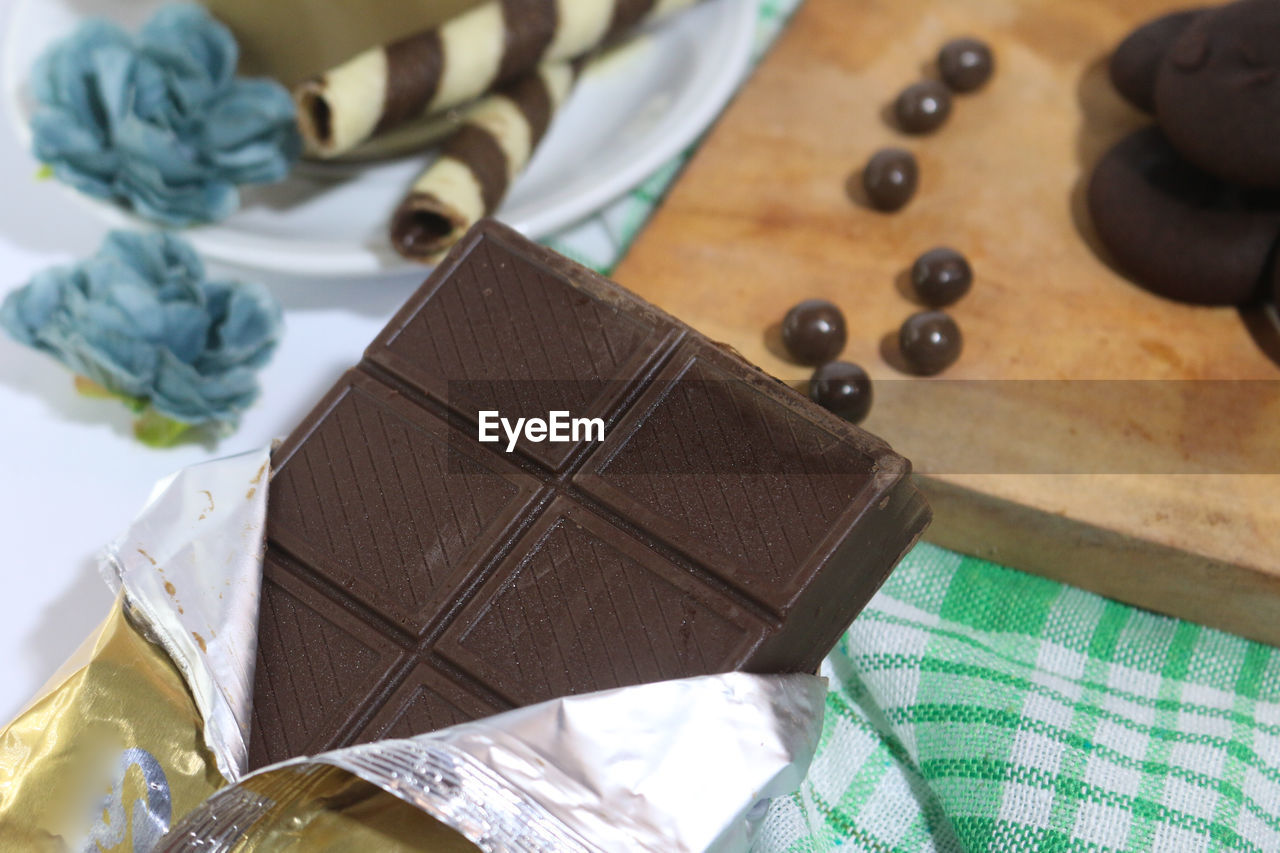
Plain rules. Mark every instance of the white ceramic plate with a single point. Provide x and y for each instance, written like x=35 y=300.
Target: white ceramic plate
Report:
x=629 y=114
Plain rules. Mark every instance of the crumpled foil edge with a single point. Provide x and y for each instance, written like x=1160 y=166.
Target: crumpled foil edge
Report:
x=476 y=777
x=190 y=567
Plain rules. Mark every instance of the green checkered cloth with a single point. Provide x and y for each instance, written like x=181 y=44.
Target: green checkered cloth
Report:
x=977 y=708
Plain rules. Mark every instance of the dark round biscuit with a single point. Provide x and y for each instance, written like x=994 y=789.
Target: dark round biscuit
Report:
x=1217 y=93
x=1136 y=60
x=1177 y=230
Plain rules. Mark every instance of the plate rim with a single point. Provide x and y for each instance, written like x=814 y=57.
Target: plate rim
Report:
x=319 y=259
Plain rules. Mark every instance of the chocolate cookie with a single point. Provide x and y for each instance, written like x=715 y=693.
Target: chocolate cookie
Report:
x=1136 y=61
x=1179 y=231
x=1217 y=93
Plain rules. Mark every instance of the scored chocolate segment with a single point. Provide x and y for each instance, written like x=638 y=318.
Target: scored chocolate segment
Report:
x=537 y=343
x=550 y=621
x=416 y=577
x=427 y=700
x=307 y=646
x=388 y=505
x=749 y=492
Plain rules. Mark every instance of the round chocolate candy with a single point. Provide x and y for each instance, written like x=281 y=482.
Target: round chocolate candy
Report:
x=1136 y=61
x=930 y=342
x=922 y=107
x=813 y=331
x=1177 y=230
x=941 y=276
x=890 y=178
x=1217 y=93
x=842 y=388
x=966 y=64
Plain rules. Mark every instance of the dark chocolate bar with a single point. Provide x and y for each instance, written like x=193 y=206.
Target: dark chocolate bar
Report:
x=416 y=577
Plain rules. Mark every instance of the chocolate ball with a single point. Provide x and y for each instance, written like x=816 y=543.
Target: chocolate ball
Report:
x=930 y=342
x=842 y=388
x=922 y=107
x=941 y=276
x=890 y=178
x=813 y=331
x=966 y=64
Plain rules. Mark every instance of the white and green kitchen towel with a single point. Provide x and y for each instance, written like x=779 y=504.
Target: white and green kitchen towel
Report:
x=973 y=707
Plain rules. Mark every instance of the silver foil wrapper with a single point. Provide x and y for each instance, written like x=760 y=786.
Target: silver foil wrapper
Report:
x=190 y=567
x=675 y=766
x=685 y=765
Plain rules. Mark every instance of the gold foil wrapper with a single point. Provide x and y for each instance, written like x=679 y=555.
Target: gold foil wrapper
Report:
x=112 y=753
x=108 y=755
x=145 y=720
x=326 y=809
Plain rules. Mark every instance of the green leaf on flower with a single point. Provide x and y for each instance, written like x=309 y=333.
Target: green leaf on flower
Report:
x=155 y=430
x=89 y=388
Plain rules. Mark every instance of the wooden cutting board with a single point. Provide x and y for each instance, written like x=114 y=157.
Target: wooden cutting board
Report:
x=1091 y=432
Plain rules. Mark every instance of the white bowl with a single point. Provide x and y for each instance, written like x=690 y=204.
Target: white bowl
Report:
x=631 y=112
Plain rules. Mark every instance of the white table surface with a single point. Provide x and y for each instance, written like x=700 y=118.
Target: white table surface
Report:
x=71 y=474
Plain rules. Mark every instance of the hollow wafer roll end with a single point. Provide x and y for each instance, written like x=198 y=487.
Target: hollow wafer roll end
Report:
x=479 y=162
x=360 y=86
x=427 y=222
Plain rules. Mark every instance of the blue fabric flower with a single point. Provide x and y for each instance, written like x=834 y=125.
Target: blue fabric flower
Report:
x=140 y=320
x=159 y=122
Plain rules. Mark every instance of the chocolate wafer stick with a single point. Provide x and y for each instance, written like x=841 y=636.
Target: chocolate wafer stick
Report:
x=493 y=44
x=478 y=162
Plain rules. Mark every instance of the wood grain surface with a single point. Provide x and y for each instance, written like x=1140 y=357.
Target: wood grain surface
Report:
x=1090 y=432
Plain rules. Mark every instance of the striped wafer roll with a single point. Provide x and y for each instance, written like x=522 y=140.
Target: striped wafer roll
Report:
x=478 y=162
x=488 y=46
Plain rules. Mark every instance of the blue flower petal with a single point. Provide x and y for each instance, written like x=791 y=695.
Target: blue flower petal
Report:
x=188 y=34
x=248 y=329
x=140 y=319
x=159 y=123
x=79 y=157
x=64 y=76
x=251 y=132
x=184 y=394
x=166 y=261
x=177 y=205
x=28 y=309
